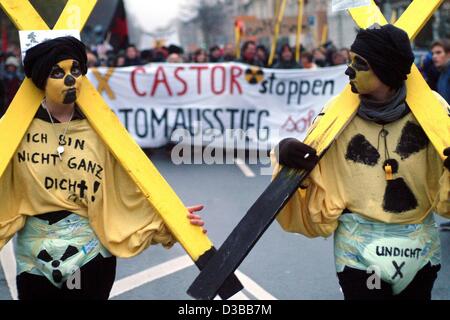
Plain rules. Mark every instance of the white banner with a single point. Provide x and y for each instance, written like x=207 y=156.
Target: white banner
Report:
x=202 y=104
x=338 y=5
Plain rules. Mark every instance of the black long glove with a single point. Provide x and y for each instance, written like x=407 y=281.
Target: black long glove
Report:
x=295 y=154
x=447 y=160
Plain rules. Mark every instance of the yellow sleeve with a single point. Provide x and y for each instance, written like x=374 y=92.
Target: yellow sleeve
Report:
x=10 y=220
x=314 y=211
x=443 y=102
x=442 y=200
x=125 y=221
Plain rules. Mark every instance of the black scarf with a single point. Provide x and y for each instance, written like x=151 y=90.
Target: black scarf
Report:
x=386 y=111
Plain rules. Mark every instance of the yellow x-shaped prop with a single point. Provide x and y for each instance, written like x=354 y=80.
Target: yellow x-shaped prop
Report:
x=17 y=119
x=423 y=103
x=103 y=82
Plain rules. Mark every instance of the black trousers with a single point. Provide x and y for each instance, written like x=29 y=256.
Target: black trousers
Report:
x=354 y=285
x=96 y=280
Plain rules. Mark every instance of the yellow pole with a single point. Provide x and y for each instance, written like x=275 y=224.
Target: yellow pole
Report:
x=324 y=34
x=237 y=37
x=299 y=30
x=277 y=7
x=277 y=32
x=393 y=17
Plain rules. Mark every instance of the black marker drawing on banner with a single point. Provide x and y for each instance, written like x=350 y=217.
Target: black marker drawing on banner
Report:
x=301 y=125
x=294 y=90
x=145 y=122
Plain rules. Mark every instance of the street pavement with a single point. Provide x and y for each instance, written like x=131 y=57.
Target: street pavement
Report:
x=281 y=266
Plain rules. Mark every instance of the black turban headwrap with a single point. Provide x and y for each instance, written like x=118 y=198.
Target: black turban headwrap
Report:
x=388 y=51
x=40 y=59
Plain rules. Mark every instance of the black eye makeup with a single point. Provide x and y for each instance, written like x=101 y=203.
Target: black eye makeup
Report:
x=76 y=70
x=360 y=65
x=57 y=73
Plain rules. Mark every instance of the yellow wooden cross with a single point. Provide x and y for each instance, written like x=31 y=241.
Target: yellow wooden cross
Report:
x=423 y=103
x=24 y=106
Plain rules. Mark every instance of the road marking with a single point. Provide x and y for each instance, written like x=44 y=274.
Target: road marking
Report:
x=253 y=288
x=8 y=261
x=149 y=275
x=172 y=266
x=244 y=168
x=239 y=296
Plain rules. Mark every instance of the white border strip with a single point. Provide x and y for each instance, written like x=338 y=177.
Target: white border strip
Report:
x=8 y=261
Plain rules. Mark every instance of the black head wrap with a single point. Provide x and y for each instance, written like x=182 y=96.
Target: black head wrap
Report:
x=40 y=59
x=388 y=51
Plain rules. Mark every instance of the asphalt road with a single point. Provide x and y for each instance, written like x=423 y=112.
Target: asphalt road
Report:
x=281 y=266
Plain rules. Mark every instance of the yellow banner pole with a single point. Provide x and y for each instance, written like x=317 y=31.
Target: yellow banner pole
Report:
x=393 y=17
x=275 y=10
x=299 y=30
x=237 y=39
x=324 y=34
x=277 y=32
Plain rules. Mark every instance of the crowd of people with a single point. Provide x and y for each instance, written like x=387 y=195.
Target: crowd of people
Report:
x=251 y=53
x=434 y=65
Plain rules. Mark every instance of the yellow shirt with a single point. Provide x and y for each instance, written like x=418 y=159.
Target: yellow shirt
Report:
x=350 y=176
x=87 y=181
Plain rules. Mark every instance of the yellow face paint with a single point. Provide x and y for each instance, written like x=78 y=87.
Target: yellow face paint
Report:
x=362 y=78
x=64 y=82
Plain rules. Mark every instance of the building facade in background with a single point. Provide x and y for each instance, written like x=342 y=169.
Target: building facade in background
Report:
x=214 y=22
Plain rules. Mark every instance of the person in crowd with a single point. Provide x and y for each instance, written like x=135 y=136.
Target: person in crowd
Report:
x=262 y=55
x=429 y=70
x=229 y=53
x=174 y=58
x=338 y=58
x=132 y=56
x=92 y=60
x=441 y=59
x=215 y=54
x=248 y=54
x=286 y=59
x=319 y=57
x=11 y=78
x=200 y=56
x=307 y=60
x=345 y=52
x=120 y=61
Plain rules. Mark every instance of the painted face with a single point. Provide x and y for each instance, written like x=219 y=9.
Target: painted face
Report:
x=362 y=78
x=64 y=83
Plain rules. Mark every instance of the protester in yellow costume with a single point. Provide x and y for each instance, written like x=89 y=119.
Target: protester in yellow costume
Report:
x=377 y=186
x=71 y=203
